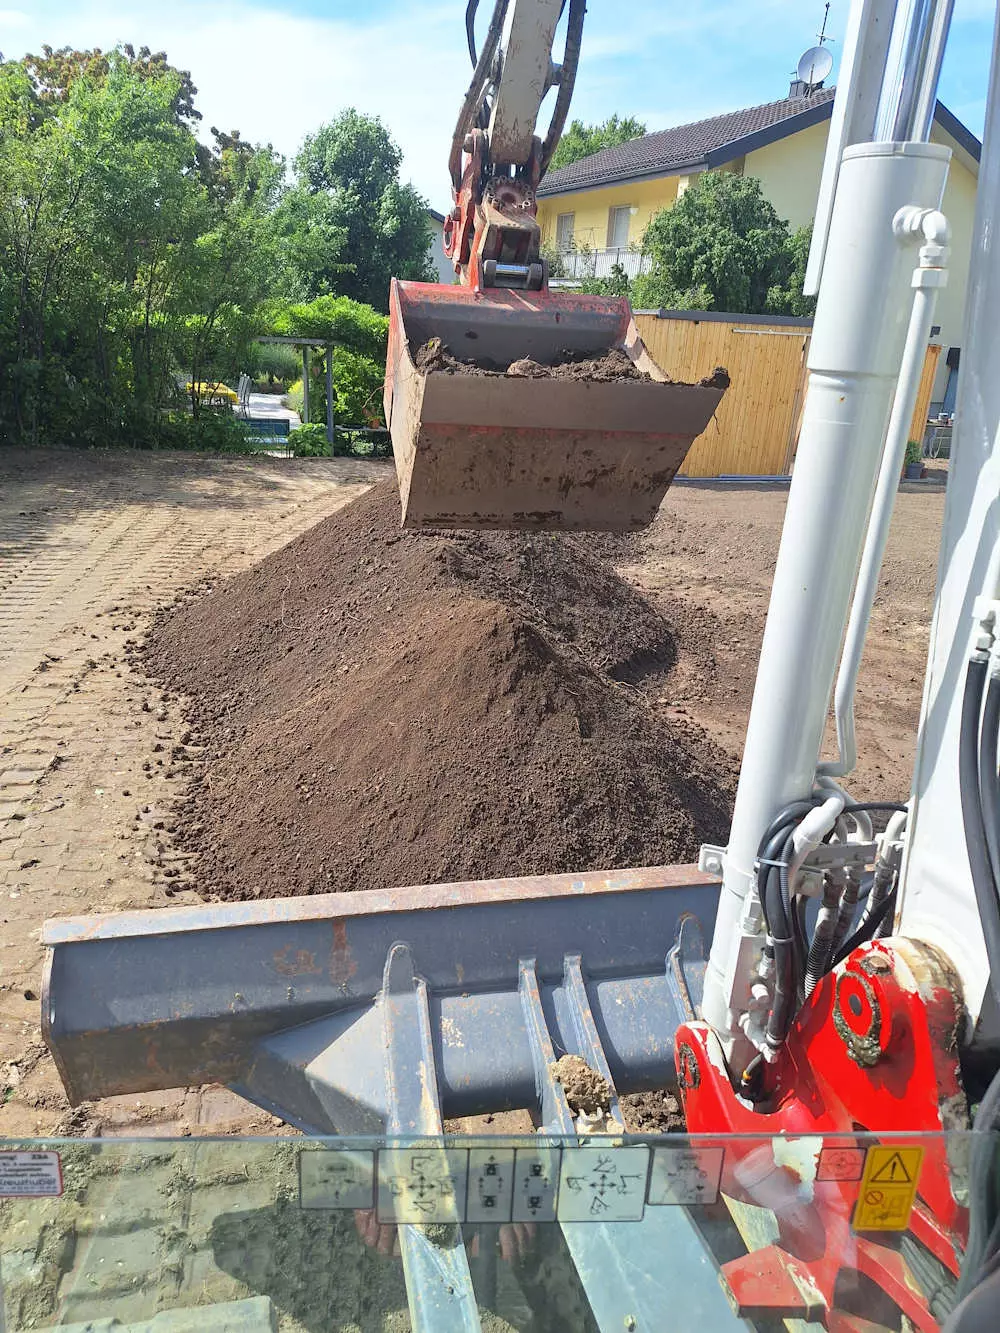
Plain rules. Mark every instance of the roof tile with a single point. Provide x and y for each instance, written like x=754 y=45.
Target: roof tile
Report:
x=685 y=145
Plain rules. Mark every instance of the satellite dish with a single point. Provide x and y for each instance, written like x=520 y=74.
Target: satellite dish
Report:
x=814 y=65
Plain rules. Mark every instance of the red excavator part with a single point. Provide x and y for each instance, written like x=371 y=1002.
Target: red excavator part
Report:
x=874 y=1048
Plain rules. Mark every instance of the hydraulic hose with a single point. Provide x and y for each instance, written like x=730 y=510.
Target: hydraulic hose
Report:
x=989 y=778
x=972 y=813
x=476 y=91
x=978 y=784
x=823 y=935
x=567 y=78
x=982 y=1175
x=782 y=938
x=848 y=906
x=868 y=928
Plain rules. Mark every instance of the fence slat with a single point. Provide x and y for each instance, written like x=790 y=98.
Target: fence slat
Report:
x=755 y=431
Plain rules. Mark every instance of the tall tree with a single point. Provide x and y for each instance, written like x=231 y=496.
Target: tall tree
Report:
x=54 y=72
x=309 y=239
x=126 y=252
x=356 y=163
x=582 y=140
x=722 y=246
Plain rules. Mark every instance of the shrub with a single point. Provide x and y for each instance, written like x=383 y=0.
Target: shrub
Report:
x=209 y=432
x=309 y=441
x=914 y=453
x=357 y=390
x=615 y=284
x=357 y=383
x=342 y=321
x=276 y=361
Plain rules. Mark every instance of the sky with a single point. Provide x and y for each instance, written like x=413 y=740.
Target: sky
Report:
x=277 y=70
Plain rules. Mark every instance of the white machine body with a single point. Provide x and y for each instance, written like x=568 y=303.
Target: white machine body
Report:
x=938 y=900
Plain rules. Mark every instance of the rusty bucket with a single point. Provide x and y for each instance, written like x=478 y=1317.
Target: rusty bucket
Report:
x=498 y=451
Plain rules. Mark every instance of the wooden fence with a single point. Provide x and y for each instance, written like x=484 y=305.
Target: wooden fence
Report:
x=755 y=431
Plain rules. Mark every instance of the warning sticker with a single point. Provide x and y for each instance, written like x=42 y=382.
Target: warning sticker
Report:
x=30 y=1175
x=840 y=1164
x=888 y=1189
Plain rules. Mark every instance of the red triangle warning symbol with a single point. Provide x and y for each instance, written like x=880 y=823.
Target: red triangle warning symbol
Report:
x=894 y=1172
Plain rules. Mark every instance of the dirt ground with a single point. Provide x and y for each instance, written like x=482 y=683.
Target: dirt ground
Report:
x=90 y=764
x=94 y=759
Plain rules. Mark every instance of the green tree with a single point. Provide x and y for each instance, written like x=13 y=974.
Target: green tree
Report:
x=232 y=263
x=134 y=259
x=787 y=298
x=127 y=253
x=309 y=239
x=582 y=140
x=356 y=163
x=54 y=72
x=95 y=190
x=722 y=246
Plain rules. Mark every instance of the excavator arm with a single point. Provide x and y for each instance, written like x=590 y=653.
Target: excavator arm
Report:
x=497 y=159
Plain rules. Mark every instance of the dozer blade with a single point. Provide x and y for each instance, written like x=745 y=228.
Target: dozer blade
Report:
x=501 y=451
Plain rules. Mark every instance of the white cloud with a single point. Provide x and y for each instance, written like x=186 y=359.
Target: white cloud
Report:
x=13 y=18
x=278 y=76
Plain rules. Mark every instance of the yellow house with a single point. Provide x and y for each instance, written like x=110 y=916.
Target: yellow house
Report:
x=595 y=211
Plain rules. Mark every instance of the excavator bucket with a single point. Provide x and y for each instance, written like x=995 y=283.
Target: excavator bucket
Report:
x=501 y=450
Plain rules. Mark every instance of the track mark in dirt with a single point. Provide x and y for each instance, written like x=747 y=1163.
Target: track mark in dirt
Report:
x=92 y=759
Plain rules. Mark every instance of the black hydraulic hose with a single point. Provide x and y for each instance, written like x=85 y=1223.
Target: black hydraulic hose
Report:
x=972 y=814
x=824 y=936
x=989 y=779
x=785 y=983
x=567 y=78
x=982 y=1176
x=848 y=906
x=977 y=783
x=790 y=814
x=801 y=945
x=868 y=807
x=866 y=931
x=476 y=91
x=470 y=29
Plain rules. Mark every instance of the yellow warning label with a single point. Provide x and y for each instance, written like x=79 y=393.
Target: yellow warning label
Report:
x=888 y=1189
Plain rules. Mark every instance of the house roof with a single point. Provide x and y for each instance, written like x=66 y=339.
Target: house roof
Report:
x=710 y=143
x=433 y=213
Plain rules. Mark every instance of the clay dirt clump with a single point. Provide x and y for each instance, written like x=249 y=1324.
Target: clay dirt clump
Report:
x=378 y=708
x=586 y=1090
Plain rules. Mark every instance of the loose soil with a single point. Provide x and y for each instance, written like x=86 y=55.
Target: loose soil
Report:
x=433 y=356
x=382 y=708
x=656 y=1112
x=616 y=364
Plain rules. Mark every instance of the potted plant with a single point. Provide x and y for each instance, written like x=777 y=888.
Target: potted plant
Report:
x=913 y=464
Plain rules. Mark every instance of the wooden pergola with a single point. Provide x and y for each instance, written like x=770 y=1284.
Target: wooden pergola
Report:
x=306 y=344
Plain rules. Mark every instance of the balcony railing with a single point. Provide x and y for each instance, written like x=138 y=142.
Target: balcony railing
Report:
x=577 y=264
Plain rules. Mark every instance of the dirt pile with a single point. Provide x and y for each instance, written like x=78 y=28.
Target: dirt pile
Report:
x=615 y=364
x=433 y=355
x=382 y=708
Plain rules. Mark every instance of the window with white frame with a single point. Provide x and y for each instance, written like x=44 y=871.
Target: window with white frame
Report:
x=564 y=232
x=618 y=222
